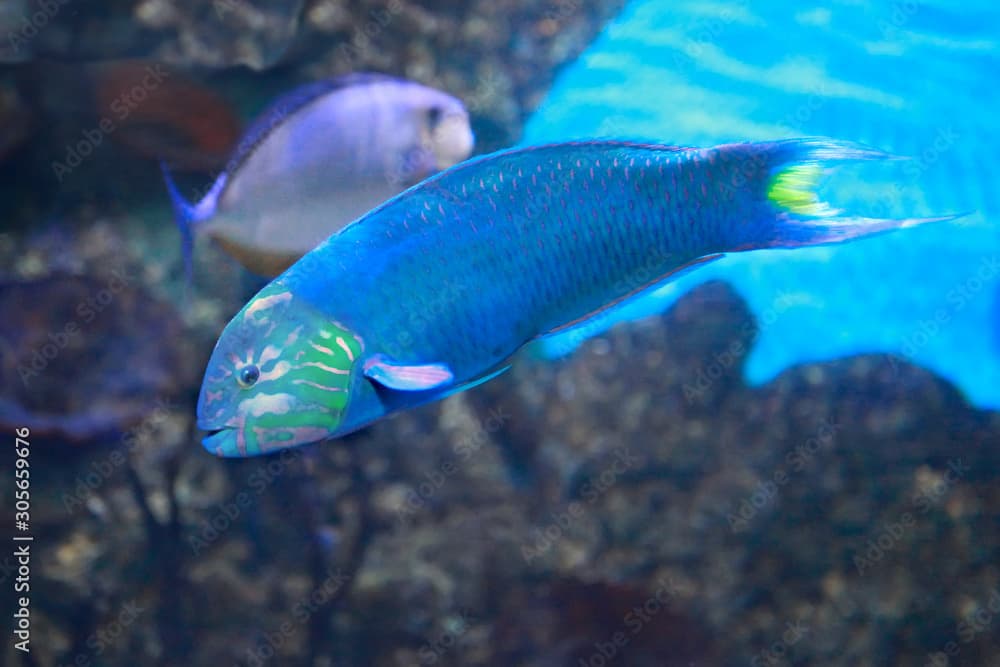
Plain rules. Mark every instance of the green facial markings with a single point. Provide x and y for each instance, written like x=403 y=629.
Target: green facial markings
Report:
x=280 y=376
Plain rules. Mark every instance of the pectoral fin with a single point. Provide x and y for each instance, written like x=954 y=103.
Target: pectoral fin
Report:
x=402 y=377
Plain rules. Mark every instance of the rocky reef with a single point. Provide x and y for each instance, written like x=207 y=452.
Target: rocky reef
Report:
x=500 y=57
x=634 y=504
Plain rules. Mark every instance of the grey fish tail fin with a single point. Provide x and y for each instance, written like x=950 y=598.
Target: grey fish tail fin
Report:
x=795 y=216
x=186 y=216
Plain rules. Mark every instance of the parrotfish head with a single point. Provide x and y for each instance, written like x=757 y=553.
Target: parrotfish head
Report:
x=446 y=130
x=280 y=376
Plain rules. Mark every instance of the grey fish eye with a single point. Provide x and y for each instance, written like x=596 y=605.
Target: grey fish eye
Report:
x=248 y=375
x=434 y=116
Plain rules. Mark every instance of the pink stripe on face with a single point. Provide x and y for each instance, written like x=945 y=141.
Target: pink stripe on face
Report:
x=320 y=348
x=309 y=383
x=269 y=353
x=265 y=303
x=345 y=348
x=300 y=434
x=328 y=369
x=279 y=369
x=241 y=440
x=221 y=376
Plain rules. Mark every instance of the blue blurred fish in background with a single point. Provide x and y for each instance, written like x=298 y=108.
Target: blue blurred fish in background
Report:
x=318 y=158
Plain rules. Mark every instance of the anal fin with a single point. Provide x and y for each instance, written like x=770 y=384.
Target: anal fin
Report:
x=658 y=282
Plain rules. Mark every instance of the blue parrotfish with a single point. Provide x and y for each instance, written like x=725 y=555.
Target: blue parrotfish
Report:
x=436 y=290
x=317 y=159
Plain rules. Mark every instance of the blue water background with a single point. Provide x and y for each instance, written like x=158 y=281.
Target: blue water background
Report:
x=915 y=79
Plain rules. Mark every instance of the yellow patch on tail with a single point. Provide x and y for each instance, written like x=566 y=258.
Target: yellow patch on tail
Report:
x=793 y=188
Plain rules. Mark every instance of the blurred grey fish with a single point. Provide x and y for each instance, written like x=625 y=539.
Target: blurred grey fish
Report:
x=318 y=158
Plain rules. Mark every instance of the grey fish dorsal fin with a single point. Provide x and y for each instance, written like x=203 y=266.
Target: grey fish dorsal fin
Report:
x=287 y=105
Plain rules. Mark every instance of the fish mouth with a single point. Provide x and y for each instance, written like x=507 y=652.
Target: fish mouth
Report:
x=222 y=442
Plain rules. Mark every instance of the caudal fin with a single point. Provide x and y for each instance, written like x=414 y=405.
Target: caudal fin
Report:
x=789 y=172
x=185 y=215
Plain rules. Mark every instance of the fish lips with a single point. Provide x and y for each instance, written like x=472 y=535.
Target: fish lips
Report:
x=223 y=442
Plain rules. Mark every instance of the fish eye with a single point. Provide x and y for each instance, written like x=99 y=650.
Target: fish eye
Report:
x=434 y=115
x=248 y=375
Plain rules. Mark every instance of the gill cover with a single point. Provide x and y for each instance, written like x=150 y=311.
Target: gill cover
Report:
x=280 y=376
